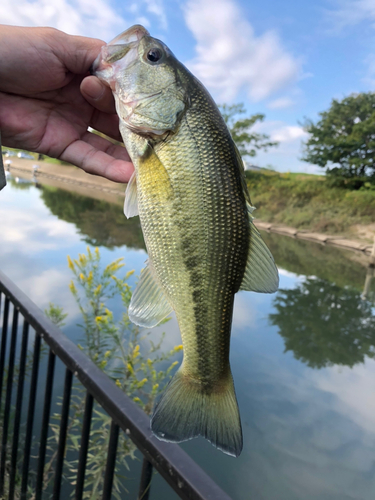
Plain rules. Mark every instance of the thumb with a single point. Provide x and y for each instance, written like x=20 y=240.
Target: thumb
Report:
x=97 y=94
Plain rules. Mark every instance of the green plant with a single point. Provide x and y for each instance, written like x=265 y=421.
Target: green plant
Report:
x=128 y=356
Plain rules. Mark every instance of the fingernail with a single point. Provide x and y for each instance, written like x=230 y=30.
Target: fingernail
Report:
x=94 y=88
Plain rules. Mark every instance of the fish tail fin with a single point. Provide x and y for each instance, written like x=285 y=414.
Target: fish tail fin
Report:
x=187 y=409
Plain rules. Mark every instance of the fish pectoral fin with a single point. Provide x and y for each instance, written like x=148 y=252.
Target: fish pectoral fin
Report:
x=131 y=199
x=261 y=274
x=148 y=305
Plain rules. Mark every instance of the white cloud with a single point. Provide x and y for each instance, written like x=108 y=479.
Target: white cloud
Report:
x=285 y=157
x=22 y=232
x=230 y=57
x=281 y=103
x=288 y=133
x=354 y=389
x=94 y=18
x=350 y=13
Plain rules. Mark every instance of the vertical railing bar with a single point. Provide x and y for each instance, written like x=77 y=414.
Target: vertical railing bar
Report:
x=85 y=439
x=8 y=400
x=145 y=483
x=45 y=425
x=62 y=436
x=30 y=416
x=17 y=416
x=3 y=344
x=111 y=461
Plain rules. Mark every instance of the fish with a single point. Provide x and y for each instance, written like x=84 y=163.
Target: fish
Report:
x=190 y=193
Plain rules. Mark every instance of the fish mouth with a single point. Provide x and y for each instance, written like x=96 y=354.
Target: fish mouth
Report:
x=118 y=48
x=135 y=102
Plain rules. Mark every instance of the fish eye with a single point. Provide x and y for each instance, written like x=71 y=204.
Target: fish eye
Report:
x=153 y=55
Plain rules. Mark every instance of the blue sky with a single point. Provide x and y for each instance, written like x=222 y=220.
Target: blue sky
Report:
x=284 y=59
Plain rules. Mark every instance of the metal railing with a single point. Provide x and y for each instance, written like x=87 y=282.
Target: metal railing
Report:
x=186 y=478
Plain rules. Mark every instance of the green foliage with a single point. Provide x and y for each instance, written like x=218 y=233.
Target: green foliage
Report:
x=135 y=364
x=343 y=140
x=56 y=314
x=246 y=141
x=324 y=324
x=308 y=202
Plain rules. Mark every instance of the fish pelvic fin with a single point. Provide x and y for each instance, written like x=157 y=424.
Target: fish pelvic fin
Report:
x=188 y=409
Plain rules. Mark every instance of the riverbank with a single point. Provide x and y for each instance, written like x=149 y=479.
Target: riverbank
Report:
x=67 y=177
x=309 y=204
x=74 y=179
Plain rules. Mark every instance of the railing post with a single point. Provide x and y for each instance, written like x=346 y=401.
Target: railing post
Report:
x=45 y=424
x=85 y=438
x=4 y=335
x=8 y=398
x=111 y=461
x=30 y=417
x=145 y=483
x=63 y=431
x=17 y=416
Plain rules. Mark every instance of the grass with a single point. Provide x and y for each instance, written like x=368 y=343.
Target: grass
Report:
x=308 y=202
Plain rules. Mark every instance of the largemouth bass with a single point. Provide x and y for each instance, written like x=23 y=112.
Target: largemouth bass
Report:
x=190 y=193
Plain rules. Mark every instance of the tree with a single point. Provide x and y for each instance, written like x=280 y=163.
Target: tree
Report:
x=343 y=140
x=246 y=141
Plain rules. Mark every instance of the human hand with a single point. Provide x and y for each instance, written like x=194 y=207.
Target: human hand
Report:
x=42 y=108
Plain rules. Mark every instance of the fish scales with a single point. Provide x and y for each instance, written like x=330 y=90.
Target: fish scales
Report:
x=203 y=274
x=194 y=208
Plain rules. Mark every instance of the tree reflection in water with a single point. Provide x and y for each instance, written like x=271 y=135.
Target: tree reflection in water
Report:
x=101 y=223
x=324 y=324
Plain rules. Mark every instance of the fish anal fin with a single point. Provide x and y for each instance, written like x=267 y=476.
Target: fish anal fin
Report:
x=148 y=305
x=261 y=273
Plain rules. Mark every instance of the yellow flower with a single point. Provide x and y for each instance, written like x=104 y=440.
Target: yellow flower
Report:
x=90 y=277
x=82 y=277
x=178 y=348
x=142 y=383
x=155 y=386
x=70 y=263
x=128 y=274
x=118 y=383
x=136 y=400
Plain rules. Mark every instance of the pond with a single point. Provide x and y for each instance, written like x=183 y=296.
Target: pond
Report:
x=302 y=359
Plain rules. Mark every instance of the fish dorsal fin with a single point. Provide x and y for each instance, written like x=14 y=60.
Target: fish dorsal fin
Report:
x=131 y=200
x=261 y=273
x=149 y=304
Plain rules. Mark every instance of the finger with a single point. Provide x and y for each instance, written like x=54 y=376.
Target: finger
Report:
x=97 y=94
x=102 y=144
x=107 y=124
x=97 y=162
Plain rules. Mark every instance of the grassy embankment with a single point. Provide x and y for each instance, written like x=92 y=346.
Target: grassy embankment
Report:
x=307 y=202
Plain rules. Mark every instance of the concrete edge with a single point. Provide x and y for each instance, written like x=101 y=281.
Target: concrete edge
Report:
x=325 y=239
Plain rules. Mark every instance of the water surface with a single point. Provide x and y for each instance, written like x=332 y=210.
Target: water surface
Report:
x=302 y=359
